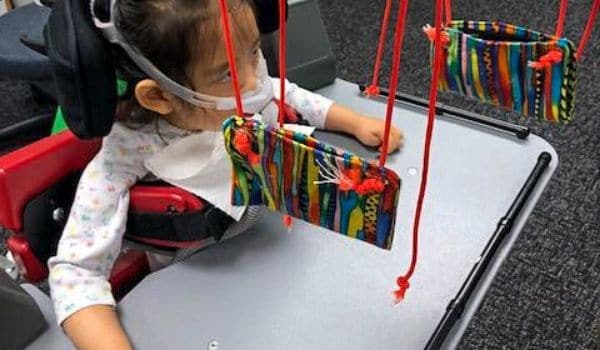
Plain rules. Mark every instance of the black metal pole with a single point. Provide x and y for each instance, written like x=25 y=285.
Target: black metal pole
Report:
x=519 y=131
x=456 y=306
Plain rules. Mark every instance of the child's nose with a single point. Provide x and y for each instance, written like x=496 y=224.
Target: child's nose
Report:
x=249 y=80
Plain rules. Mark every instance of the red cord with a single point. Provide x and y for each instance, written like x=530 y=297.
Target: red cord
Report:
x=243 y=144
x=398 y=38
x=448 y=6
x=369 y=186
x=547 y=60
x=282 y=61
x=562 y=14
x=430 y=32
x=402 y=281
x=231 y=56
x=588 y=29
x=373 y=90
x=287 y=219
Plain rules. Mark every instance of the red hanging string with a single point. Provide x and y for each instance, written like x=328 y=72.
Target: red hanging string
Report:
x=398 y=38
x=448 y=7
x=282 y=61
x=231 y=56
x=287 y=219
x=588 y=29
x=373 y=89
x=562 y=14
x=402 y=281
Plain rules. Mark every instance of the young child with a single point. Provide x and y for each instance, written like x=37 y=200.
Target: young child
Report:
x=183 y=39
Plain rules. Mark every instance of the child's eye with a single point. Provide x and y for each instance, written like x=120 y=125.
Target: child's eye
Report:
x=255 y=56
x=225 y=78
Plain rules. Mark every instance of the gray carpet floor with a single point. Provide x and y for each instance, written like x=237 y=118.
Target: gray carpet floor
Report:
x=547 y=293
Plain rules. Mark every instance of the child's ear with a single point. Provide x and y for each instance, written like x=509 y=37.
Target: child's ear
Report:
x=151 y=96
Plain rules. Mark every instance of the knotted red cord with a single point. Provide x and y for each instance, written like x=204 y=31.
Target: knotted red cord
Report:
x=547 y=60
x=403 y=281
x=430 y=31
x=398 y=38
x=231 y=56
x=369 y=186
x=373 y=89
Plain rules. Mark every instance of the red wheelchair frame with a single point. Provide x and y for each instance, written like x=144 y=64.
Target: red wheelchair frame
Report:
x=29 y=171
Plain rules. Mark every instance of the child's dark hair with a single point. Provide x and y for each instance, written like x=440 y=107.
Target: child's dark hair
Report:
x=171 y=34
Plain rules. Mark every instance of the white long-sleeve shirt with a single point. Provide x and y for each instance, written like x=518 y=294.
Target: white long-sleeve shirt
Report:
x=91 y=240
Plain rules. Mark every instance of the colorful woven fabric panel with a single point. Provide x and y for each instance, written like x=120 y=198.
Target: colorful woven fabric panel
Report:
x=299 y=176
x=529 y=72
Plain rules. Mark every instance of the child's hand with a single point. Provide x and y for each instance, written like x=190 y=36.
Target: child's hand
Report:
x=371 y=131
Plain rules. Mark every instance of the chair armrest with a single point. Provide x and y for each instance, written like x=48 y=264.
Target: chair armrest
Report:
x=30 y=170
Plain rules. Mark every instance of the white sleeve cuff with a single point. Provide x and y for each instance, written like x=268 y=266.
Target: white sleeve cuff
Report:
x=72 y=292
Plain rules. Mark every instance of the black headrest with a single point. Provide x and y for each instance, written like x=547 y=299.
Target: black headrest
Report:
x=267 y=12
x=83 y=67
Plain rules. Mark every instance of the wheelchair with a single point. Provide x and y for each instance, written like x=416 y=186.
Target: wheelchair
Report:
x=38 y=181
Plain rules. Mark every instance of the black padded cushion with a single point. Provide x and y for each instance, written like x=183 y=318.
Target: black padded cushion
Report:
x=82 y=69
x=267 y=12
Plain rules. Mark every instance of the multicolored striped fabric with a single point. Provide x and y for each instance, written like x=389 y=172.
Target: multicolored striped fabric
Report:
x=490 y=61
x=297 y=175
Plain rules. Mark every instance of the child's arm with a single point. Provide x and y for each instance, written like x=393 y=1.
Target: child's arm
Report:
x=107 y=331
x=91 y=241
x=323 y=113
x=369 y=131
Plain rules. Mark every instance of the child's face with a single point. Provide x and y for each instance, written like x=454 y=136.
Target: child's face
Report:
x=211 y=74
